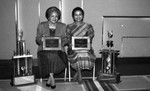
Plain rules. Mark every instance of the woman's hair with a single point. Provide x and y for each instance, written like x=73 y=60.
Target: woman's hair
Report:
x=52 y=9
x=77 y=9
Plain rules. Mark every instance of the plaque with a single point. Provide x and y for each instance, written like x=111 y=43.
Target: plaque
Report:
x=52 y=43
x=80 y=43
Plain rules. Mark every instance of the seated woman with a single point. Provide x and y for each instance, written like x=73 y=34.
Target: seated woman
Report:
x=80 y=60
x=51 y=61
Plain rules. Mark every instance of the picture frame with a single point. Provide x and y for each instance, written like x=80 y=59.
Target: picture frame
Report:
x=51 y=43
x=80 y=43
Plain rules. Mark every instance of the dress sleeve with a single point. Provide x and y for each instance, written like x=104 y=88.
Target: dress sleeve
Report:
x=68 y=35
x=63 y=35
x=90 y=32
x=39 y=35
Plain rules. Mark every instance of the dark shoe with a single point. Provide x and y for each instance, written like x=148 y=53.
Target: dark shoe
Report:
x=53 y=87
x=48 y=85
x=48 y=82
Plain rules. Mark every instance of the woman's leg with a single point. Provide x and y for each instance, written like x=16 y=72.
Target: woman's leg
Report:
x=75 y=77
x=48 y=82
x=52 y=79
x=53 y=85
x=79 y=76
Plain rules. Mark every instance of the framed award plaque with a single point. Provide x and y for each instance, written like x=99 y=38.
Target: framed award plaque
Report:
x=52 y=43
x=80 y=43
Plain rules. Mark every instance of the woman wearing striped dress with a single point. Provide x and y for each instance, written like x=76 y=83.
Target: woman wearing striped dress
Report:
x=80 y=60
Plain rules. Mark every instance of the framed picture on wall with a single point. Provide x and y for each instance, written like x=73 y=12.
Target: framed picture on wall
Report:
x=52 y=43
x=80 y=43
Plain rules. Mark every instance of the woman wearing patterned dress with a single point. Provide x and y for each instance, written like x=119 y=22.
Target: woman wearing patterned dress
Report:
x=51 y=62
x=80 y=60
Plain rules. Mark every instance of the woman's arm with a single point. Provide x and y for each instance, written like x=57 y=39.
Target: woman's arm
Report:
x=90 y=32
x=39 y=35
x=68 y=35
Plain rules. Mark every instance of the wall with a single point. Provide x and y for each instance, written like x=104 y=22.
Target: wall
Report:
x=130 y=34
x=7 y=29
x=94 y=11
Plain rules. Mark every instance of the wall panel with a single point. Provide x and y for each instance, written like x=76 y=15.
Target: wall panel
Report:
x=131 y=34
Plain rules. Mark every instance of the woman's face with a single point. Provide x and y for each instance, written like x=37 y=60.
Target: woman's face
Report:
x=53 y=18
x=78 y=16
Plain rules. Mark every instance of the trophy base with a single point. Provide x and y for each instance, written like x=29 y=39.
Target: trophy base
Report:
x=110 y=78
x=22 y=80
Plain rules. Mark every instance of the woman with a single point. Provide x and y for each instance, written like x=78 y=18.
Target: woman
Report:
x=51 y=62
x=80 y=29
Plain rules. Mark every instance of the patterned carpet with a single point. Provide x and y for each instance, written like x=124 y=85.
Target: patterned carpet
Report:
x=129 y=83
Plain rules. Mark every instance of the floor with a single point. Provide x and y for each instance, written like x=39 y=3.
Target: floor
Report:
x=127 y=83
x=61 y=85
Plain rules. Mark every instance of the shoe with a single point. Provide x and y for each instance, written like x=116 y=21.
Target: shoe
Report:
x=48 y=85
x=53 y=87
x=48 y=82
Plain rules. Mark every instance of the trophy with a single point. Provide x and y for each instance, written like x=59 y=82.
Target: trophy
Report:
x=22 y=63
x=110 y=42
x=108 y=71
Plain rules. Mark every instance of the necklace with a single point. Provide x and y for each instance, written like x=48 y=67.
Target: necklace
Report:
x=52 y=26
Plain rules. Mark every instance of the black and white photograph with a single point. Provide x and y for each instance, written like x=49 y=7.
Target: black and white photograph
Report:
x=75 y=45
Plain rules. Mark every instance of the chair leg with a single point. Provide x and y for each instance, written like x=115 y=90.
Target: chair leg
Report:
x=65 y=74
x=69 y=72
x=94 y=72
x=41 y=80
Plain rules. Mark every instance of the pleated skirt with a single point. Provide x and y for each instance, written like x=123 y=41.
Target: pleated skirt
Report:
x=51 y=62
